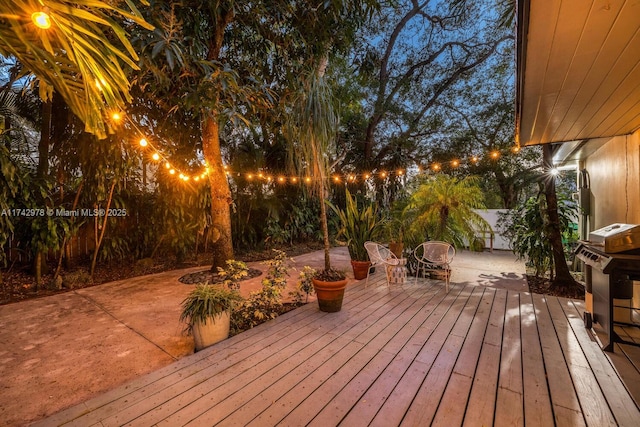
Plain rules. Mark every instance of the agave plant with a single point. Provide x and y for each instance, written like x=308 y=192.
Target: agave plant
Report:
x=358 y=225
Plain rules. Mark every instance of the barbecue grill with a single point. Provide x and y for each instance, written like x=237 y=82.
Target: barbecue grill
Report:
x=612 y=260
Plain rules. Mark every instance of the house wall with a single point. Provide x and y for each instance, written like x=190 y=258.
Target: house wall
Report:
x=614 y=172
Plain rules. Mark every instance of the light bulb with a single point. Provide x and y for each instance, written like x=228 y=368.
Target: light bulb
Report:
x=41 y=19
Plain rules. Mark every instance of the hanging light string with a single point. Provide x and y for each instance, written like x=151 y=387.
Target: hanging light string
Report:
x=156 y=155
x=264 y=175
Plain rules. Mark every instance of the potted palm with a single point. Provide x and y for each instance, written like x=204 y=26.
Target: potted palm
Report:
x=357 y=226
x=207 y=312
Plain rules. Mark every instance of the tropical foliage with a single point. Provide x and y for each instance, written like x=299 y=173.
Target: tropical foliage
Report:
x=83 y=56
x=527 y=230
x=358 y=224
x=442 y=208
x=205 y=302
x=352 y=88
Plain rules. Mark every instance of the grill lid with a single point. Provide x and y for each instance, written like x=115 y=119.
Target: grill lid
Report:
x=616 y=237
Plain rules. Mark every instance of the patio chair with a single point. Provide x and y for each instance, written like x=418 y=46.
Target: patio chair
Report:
x=380 y=256
x=434 y=256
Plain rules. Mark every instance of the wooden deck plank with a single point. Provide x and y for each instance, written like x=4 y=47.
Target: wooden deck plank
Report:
x=537 y=401
x=394 y=409
x=480 y=409
x=368 y=405
x=425 y=404
x=265 y=399
x=208 y=400
x=251 y=390
x=565 y=403
x=400 y=332
x=510 y=397
x=458 y=389
x=625 y=358
x=320 y=397
x=622 y=405
x=411 y=355
x=592 y=401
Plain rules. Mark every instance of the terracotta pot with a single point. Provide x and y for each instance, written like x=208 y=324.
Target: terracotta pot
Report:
x=360 y=269
x=209 y=333
x=330 y=294
x=396 y=248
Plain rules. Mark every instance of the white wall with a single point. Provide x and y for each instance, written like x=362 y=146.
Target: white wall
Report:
x=491 y=216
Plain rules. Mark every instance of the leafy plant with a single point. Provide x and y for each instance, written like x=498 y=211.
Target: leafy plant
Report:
x=233 y=274
x=266 y=303
x=205 y=302
x=304 y=286
x=525 y=228
x=442 y=208
x=358 y=225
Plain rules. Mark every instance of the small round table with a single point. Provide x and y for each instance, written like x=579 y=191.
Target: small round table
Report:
x=398 y=273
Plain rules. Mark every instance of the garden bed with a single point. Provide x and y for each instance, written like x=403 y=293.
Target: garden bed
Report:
x=19 y=285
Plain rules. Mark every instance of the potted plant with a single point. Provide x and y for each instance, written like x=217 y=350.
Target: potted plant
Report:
x=357 y=226
x=329 y=286
x=207 y=312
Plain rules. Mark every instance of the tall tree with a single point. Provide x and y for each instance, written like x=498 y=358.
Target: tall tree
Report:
x=209 y=56
x=563 y=278
x=413 y=56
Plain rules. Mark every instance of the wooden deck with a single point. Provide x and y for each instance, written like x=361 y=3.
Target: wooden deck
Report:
x=411 y=355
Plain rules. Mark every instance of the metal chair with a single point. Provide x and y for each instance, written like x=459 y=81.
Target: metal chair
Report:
x=434 y=256
x=380 y=256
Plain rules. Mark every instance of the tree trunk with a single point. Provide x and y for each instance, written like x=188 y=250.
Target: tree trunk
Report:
x=42 y=172
x=324 y=223
x=104 y=228
x=65 y=249
x=563 y=278
x=220 y=193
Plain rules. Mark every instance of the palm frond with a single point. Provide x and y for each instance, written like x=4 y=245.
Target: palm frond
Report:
x=84 y=55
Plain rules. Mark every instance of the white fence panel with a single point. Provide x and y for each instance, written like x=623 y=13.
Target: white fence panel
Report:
x=492 y=216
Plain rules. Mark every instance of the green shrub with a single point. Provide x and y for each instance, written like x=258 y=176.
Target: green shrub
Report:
x=266 y=303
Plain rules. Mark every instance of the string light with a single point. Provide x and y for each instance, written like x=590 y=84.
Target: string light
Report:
x=348 y=178
x=41 y=19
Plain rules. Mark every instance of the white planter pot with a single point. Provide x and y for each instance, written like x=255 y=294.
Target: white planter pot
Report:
x=214 y=330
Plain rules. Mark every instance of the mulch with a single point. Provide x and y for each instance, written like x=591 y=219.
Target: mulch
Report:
x=542 y=285
x=18 y=284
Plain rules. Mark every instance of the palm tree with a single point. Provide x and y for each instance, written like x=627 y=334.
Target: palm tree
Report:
x=313 y=131
x=442 y=208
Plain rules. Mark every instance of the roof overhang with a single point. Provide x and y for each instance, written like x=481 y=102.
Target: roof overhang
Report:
x=578 y=70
